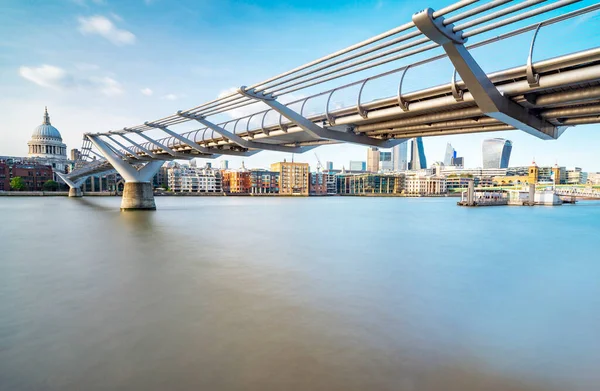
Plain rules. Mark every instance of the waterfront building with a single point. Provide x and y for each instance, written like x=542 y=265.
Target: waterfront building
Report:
x=385 y=161
x=372 y=159
x=264 y=182
x=593 y=178
x=456 y=181
x=576 y=176
x=417 y=155
x=318 y=183
x=425 y=185
x=224 y=164
x=183 y=178
x=331 y=183
x=369 y=183
x=356 y=165
x=34 y=175
x=554 y=174
x=496 y=152
x=328 y=165
x=293 y=177
x=480 y=176
x=161 y=179
x=400 y=157
x=236 y=181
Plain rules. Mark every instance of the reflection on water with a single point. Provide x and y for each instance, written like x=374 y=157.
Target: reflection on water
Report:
x=297 y=294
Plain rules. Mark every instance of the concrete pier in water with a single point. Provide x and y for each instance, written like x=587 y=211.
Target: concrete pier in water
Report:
x=138 y=196
x=75 y=192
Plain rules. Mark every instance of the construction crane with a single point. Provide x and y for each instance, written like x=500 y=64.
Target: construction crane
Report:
x=319 y=165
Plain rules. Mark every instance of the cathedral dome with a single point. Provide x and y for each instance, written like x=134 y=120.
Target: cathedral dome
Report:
x=46 y=142
x=46 y=130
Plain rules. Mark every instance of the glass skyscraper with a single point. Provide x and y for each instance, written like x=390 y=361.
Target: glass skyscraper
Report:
x=417 y=154
x=400 y=156
x=449 y=155
x=496 y=152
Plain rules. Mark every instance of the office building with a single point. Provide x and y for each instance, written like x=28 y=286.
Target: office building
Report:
x=293 y=177
x=385 y=161
x=224 y=164
x=369 y=183
x=372 y=159
x=400 y=157
x=449 y=155
x=457 y=161
x=75 y=154
x=356 y=165
x=416 y=184
x=496 y=152
x=328 y=166
x=576 y=176
x=417 y=154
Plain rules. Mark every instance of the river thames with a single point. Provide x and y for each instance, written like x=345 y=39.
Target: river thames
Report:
x=247 y=293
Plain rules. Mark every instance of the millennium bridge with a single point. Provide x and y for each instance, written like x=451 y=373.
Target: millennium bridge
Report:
x=541 y=98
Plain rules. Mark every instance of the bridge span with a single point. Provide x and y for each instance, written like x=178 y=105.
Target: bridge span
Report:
x=541 y=98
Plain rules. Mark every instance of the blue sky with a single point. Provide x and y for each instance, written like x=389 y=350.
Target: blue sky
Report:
x=102 y=64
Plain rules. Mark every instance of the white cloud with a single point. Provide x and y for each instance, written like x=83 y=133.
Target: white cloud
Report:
x=104 y=27
x=171 y=97
x=50 y=76
x=46 y=76
x=116 y=17
x=108 y=86
x=146 y=91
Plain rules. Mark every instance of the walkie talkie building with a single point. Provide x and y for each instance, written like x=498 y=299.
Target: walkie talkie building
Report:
x=496 y=152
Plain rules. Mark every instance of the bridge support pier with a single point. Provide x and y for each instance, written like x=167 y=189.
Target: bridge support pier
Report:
x=138 y=196
x=137 y=192
x=75 y=192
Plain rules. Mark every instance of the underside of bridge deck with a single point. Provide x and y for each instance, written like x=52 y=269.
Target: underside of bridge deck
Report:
x=542 y=98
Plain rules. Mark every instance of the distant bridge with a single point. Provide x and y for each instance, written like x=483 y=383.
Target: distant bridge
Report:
x=541 y=98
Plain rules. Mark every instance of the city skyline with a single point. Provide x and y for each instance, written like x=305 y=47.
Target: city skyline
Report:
x=96 y=89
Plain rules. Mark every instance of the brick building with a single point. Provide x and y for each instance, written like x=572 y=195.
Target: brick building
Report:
x=34 y=175
x=236 y=182
x=293 y=177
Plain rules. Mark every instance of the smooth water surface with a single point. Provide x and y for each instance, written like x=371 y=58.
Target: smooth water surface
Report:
x=246 y=293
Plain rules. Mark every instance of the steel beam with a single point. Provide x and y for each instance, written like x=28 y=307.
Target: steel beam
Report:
x=145 y=150
x=72 y=184
x=127 y=171
x=134 y=155
x=239 y=140
x=167 y=149
x=486 y=95
x=184 y=140
x=313 y=129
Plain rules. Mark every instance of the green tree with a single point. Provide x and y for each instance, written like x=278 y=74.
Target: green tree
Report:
x=17 y=183
x=50 y=185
